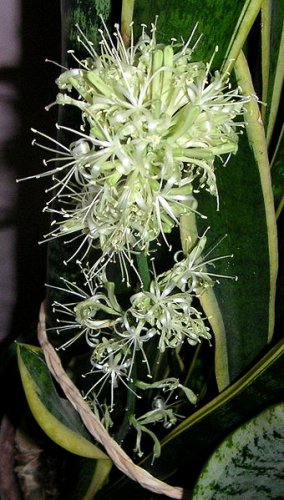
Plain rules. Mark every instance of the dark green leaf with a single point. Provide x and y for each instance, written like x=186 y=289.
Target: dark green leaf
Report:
x=55 y=415
x=274 y=17
x=188 y=446
x=244 y=303
x=178 y=18
x=277 y=172
x=86 y=14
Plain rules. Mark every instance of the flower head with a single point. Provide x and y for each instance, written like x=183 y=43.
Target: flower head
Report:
x=171 y=315
x=114 y=371
x=95 y=309
x=153 y=122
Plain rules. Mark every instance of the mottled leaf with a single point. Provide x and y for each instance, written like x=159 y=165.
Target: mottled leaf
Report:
x=248 y=463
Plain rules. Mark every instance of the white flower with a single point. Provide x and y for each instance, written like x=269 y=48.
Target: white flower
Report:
x=161 y=413
x=171 y=315
x=153 y=121
x=113 y=371
x=191 y=272
x=83 y=317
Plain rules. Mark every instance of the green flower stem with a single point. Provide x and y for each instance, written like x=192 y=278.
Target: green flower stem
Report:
x=126 y=19
x=130 y=409
x=277 y=90
x=188 y=237
x=143 y=269
x=188 y=232
x=159 y=370
x=265 y=52
x=192 y=365
x=280 y=208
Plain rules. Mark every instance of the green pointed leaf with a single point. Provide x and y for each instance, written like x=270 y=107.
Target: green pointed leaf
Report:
x=249 y=462
x=59 y=420
x=85 y=477
x=257 y=389
x=246 y=208
x=55 y=415
x=245 y=22
x=277 y=172
x=178 y=18
x=265 y=51
x=247 y=217
x=244 y=303
x=256 y=137
x=188 y=445
x=272 y=61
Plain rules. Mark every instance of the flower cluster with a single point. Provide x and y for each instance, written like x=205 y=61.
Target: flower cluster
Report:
x=164 y=317
x=153 y=121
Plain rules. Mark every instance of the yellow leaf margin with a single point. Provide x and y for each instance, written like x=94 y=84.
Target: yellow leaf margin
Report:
x=60 y=433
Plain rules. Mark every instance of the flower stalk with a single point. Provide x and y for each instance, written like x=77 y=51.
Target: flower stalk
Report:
x=153 y=123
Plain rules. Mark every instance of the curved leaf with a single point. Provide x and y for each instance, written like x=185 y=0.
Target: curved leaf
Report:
x=247 y=217
x=265 y=51
x=188 y=445
x=272 y=61
x=55 y=415
x=188 y=232
x=102 y=470
x=242 y=29
x=257 y=389
x=253 y=239
x=86 y=14
x=277 y=173
x=85 y=477
x=256 y=137
x=249 y=462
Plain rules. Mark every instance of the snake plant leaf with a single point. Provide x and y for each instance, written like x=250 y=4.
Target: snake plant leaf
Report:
x=55 y=415
x=177 y=19
x=248 y=463
x=247 y=217
x=58 y=419
x=234 y=307
x=188 y=446
x=256 y=137
x=86 y=15
x=245 y=21
x=272 y=61
x=85 y=477
x=277 y=172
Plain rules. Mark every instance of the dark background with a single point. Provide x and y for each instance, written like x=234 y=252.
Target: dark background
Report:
x=30 y=33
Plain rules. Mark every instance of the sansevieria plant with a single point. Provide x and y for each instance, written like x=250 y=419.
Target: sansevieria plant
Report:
x=159 y=322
